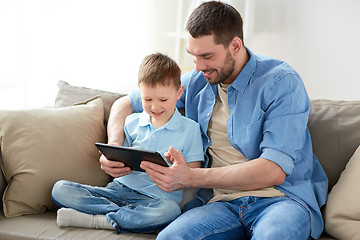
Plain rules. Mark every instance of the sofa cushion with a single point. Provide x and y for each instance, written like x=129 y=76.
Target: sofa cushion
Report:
x=41 y=146
x=44 y=227
x=342 y=212
x=335 y=132
x=69 y=95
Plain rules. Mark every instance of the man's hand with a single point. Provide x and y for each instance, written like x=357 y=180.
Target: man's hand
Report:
x=172 y=178
x=114 y=168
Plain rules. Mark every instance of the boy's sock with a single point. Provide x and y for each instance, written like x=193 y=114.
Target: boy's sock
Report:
x=68 y=217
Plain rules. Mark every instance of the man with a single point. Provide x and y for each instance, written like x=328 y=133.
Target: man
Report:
x=253 y=114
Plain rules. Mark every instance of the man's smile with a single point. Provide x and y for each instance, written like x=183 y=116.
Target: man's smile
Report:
x=208 y=73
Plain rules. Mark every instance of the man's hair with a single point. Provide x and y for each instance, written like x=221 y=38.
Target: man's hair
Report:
x=217 y=18
x=159 y=68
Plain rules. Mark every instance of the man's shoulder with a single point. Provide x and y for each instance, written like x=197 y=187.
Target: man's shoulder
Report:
x=266 y=66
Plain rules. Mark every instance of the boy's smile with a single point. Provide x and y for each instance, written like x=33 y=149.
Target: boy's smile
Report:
x=160 y=102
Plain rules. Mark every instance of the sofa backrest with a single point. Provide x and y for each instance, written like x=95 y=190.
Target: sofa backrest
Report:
x=335 y=131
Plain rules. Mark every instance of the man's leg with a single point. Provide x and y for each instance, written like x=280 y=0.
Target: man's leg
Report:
x=218 y=220
x=243 y=218
x=277 y=218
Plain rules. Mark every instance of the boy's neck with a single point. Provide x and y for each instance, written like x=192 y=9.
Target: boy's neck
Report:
x=159 y=124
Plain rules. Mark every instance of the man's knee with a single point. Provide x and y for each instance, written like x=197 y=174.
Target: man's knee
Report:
x=283 y=220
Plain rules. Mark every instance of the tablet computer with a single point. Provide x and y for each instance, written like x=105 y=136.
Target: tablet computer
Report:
x=131 y=157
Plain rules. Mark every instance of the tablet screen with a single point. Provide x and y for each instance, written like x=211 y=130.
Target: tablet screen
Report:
x=131 y=157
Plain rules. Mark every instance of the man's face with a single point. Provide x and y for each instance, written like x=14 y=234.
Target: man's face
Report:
x=214 y=60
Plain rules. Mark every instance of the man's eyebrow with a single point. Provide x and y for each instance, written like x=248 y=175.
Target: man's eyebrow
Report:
x=200 y=55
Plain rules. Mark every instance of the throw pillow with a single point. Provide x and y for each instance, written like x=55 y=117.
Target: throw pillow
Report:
x=69 y=95
x=42 y=146
x=342 y=212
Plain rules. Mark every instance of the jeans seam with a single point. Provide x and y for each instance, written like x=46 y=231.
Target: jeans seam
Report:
x=216 y=232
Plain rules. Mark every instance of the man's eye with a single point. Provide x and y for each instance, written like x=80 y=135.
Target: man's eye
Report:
x=207 y=57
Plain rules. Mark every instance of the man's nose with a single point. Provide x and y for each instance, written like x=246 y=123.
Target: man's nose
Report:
x=199 y=66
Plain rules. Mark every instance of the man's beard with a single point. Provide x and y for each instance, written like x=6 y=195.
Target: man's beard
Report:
x=225 y=72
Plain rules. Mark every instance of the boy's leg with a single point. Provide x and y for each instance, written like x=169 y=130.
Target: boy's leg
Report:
x=145 y=216
x=126 y=209
x=88 y=199
x=68 y=217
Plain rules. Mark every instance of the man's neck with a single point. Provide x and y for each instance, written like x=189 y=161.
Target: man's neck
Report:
x=242 y=59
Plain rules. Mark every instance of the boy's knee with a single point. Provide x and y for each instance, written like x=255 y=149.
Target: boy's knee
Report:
x=58 y=193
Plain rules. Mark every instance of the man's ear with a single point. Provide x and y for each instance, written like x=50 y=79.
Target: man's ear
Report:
x=235 y=45
x=180 y=92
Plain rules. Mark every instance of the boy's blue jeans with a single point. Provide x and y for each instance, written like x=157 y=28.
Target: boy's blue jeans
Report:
x=127 y=210
x=243 y=218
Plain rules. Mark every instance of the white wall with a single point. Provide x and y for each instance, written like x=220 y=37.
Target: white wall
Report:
x=91 y=43
x=100 y=44
x=319 y=38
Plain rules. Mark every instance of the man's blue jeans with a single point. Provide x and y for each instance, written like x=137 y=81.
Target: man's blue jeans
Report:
x=243 y=218
x=127 y=210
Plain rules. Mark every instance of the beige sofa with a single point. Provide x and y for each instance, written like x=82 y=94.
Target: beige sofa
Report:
x=334 y=127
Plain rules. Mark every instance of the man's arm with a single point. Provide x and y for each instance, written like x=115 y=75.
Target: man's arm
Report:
x=119 y=111
x=115 y=128
x=251 y=175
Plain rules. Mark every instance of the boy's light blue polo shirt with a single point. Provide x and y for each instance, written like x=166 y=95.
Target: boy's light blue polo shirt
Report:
x=269 y=109
x=179 y=132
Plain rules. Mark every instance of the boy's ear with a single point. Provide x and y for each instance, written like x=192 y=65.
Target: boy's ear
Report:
x=180 y=92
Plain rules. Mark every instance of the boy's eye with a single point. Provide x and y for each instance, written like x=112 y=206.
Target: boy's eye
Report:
x=163 y=100
x=147 y=99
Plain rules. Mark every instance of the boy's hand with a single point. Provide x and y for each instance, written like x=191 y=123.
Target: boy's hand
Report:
x=114 y=168
x=172 y=178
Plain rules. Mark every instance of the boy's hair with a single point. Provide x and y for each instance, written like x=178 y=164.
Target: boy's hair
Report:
x=158 y=68
x=217 y=18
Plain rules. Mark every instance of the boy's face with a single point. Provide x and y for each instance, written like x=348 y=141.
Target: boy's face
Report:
x=160 y=102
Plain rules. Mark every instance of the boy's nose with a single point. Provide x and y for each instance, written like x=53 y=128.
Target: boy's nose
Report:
x=154 y=107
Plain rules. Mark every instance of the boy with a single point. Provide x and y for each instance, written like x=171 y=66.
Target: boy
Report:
x=133 y=203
